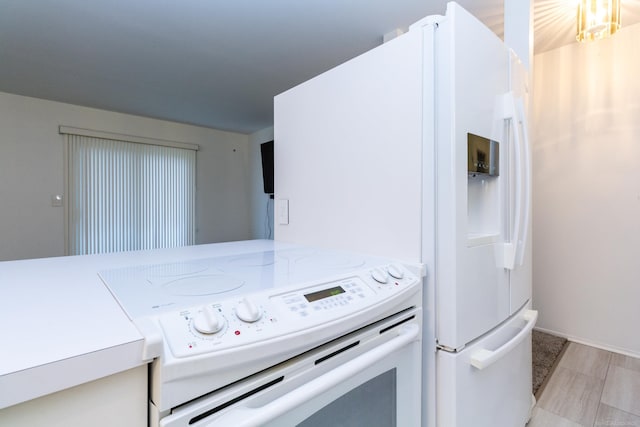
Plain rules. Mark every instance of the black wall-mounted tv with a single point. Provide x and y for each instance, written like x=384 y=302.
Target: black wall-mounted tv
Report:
x=266 y=150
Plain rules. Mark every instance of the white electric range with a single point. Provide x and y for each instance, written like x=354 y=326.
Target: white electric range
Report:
x=228 y=326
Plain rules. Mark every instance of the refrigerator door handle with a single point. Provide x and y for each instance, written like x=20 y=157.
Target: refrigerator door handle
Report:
x=526 y=174
x=511 y=248
x=484 y=358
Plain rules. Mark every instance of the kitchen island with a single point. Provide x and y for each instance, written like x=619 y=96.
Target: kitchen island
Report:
x=60 y=327
x=70 y=356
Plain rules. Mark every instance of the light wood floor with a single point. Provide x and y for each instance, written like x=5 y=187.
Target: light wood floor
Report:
x=590 y=387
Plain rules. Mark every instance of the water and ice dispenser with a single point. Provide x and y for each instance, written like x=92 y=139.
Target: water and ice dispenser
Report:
x=483 y=191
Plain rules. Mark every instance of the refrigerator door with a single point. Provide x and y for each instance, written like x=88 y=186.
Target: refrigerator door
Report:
x=488 y=384
x=472 y=283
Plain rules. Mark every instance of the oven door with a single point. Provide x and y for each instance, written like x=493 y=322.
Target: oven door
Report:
x=371 y=377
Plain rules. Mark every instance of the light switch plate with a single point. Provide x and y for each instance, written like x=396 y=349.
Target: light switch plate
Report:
x=283 y=211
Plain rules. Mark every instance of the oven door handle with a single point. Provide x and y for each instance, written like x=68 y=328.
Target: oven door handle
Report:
x=256 y=416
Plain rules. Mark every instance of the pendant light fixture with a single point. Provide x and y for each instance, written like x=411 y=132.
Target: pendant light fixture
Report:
x=597 y=19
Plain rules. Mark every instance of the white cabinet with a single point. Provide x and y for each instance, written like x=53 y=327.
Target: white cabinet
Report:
x=117 y=400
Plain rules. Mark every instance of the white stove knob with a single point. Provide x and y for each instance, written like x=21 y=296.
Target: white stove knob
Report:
x=208 y=321
x=248 y=311
x=379 y=275
x=395 y=272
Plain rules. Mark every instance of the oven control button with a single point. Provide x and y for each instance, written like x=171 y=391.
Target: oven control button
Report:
x=379 y=275
x=248 y=311
x=395 y=272
x=208 y=321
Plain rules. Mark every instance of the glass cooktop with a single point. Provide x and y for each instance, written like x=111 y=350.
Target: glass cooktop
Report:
x=150 y=289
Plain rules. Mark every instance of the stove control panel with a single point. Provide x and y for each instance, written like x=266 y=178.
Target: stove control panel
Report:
x=266 y=315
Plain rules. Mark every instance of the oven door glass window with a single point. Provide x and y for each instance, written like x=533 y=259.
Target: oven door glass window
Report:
x=370 y=404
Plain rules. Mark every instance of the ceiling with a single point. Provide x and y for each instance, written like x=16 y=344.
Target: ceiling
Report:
x=213 y=63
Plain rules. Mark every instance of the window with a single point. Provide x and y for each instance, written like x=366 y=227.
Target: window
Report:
x=127 y=194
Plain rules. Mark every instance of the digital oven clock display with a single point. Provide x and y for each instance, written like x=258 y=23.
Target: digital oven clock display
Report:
x=325 y=293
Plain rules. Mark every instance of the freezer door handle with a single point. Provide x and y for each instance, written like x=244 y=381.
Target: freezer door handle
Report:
x=245 y=416
x=484 y=358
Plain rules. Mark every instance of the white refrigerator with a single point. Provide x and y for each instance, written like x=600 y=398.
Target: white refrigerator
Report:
x=418 y=150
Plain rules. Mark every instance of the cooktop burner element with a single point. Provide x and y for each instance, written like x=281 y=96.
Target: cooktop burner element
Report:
x=202 y=285
x=330 y=262
x=261 y=259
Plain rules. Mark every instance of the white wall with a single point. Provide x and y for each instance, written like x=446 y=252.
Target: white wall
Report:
x=31 y=171
x=586 y=122
x=261 y=203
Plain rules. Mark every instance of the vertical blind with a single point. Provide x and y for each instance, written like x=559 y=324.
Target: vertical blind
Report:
x=125 y=196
